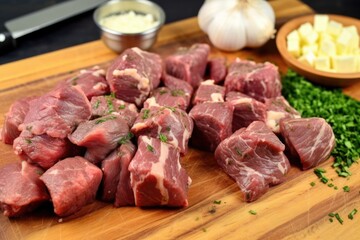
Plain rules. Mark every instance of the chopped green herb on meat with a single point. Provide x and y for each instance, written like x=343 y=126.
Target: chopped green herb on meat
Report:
x=339 y=110
x=150 y=148
x=146 y=114
x=177 y=93
x=122 y=106
x=352 y=213
x=346 y=189
x=163 y=138
x=252 y=212
x=126 y=139
x=101 y=120
x=97 y=104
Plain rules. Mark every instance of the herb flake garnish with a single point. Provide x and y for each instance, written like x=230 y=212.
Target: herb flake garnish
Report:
x=163 y=138
x=126 y=138
x=346 y=189
x=352 y=213
x=150 y=148
x=145 y=114
x=217 y=201
x=253 y=212
x=104 y=119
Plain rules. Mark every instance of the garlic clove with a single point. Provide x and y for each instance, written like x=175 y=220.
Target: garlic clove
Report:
x=227 y=32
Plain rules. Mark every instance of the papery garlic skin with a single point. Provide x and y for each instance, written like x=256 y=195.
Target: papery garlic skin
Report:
x=234 y=24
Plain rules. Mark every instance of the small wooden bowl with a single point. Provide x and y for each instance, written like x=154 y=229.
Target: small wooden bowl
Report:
x=312 y=74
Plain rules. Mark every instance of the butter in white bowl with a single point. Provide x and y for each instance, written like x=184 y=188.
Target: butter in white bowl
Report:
x=326 y=45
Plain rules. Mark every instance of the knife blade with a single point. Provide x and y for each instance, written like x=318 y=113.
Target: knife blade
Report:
x=42 y=18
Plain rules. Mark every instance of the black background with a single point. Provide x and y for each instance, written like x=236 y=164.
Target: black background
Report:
x=81 y=29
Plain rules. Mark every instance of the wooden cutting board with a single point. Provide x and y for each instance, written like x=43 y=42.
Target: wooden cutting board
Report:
x=292 y=210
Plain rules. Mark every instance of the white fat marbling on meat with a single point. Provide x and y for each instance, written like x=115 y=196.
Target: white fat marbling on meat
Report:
x=152 y=102
x=282 y=169
x=98 y=73
x=99 y=86
x=138 y=126
x=241 y=100
x=157 y=170
x=138 y=51
x=124 y=57
x=217 y=97
x=273 y=118
x=208 y=82
x=23 y=167
x=132 y=107
x=144 y=83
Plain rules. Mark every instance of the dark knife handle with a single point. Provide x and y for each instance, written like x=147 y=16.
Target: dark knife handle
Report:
x=7 y=42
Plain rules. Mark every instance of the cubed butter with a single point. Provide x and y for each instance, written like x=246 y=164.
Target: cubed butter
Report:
x=293 y=47
x=311 y=38
x=305 y=30
x=309 y=48
x=344 y=64
x=334 y=28
x=327 y=48
x=344 y=43
x=321 y=22
x=308 y=59
x=322 y=63
x=293 y=35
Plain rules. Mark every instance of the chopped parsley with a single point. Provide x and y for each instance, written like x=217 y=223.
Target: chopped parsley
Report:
x=238 y=151
x=161 y=92
x=126 y=138
x=28 y=141
x=110 y=104
x=74 y=81
x=217 y=201
x=312 y=184
x=320 y=173
x=122 y=106
x=163 y=138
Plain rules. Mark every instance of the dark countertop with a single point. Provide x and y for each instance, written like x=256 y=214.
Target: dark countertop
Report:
x=81 y=29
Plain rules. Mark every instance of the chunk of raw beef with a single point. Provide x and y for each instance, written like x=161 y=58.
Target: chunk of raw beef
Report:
x=176 y=84
x=134 y=74
x=254 y=158
x=209 y=92
x=72 y=183
x=116 y=173
x=309 y=139
x=104 y=105
x=100 y=136
x=21 y=190
x=13 y=118
x=57 y=113
x=212 y=124
x=217 y=69
x=258 y=80
x=163 y=96
x=91 y=81
x=157 y=177
x=246 y=110
x=189 y=64
x=43 y=150
x=277 y=109
x=172 y=125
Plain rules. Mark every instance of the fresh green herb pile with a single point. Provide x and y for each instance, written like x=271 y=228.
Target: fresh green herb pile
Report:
x=340 y=111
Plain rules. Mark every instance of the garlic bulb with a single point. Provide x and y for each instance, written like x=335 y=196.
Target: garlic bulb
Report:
x=234 y=24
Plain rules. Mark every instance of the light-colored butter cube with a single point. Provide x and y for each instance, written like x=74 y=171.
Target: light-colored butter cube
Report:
x=309 y=48
x=321 y=22
x=344 y=42
x=305 y=29
x=322 y=63
x=352 y=29
x=344 y=64
x=325 y=36
x=308 y=59
x=293 y=35
x=311 y=38
x=334 y=28
x=357 y=63
x=293 y=47
x=327 y=48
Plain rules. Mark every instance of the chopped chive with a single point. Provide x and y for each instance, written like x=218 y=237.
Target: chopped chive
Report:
x=110 y=104
x=177 y=93
x=238 y=151
x=331 y=220
x=122 y=106
x=252 y=212
x=101 y=120
x=74 y=81
x=146 y=114
x=312 y=184
x=150 y=148
x=217 y=201
x=96 y=105
x=126 y=138
x=162 y=92
x=330 y=185
x=331 y=214
x=352 y=213
x=163 y=138
x=28 y=141
x=337 y=216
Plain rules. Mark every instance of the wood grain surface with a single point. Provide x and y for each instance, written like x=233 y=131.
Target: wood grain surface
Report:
x=292 y=210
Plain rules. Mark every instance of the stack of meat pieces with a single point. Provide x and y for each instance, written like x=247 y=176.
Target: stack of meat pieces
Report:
x=120 y=134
